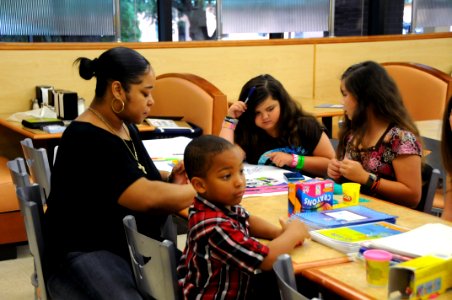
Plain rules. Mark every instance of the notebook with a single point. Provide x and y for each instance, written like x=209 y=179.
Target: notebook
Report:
x=344 y=216
x=348 y=239
x=38 y=123
x=167 y=124
x=433 y=238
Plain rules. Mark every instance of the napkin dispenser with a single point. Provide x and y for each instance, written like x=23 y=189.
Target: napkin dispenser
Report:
x=44 y=94
x=66 y=104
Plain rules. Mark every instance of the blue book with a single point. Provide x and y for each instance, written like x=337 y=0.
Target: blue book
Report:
x=344 y=216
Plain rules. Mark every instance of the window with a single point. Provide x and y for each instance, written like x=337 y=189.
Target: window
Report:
x=189 y=20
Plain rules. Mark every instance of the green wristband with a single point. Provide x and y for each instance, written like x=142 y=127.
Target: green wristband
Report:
x=300 y=163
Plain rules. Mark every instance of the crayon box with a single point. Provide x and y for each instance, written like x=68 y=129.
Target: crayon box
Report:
x=310 y=195
x=424 y=277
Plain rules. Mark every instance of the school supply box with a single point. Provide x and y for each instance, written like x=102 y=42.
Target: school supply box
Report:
x=422 y=278
x=310 y=195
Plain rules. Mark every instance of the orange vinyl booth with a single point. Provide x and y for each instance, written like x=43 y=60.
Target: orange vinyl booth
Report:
x=12 y=227
x=425 y=90
x=190 y=96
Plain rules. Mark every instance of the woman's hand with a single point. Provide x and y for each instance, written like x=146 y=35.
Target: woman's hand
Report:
x=334 y=169
x=178 y=174
x=280 y=159
x=236 y=109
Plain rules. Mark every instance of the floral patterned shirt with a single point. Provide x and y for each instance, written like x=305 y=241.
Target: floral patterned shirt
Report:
x=378 y=159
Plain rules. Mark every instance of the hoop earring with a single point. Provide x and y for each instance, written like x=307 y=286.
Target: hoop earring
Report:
x=113 y=107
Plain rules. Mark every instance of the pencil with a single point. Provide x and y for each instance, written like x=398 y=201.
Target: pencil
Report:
x=299 y=267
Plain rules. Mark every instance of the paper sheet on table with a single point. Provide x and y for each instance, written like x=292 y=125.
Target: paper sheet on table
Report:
x=165 y=153
x=262 y=180
x=43 y=112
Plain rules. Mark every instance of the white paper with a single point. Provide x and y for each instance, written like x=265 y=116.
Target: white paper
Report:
x=435 y=239
x=345 y=215
x=166 y=152
x=166 y=148
x=44 y=112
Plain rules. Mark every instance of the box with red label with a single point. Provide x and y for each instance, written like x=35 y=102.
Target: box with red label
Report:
x=310 y=195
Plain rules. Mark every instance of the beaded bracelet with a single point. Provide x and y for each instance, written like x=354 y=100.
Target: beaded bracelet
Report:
x=294 y=161
x=231 y=120
x=300 y=163
x=375 y=185
x=229 y=125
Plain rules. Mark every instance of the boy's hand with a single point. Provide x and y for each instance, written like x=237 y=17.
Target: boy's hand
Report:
x=297 y=227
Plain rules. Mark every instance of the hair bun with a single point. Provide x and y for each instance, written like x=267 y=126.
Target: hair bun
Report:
x=94 y=64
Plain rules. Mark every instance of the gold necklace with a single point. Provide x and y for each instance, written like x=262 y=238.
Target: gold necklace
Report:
x=134 y=153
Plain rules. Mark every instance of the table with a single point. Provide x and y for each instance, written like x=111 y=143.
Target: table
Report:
x=430 y=128
x=338 y=275
x=326 y=113
x=13 y=132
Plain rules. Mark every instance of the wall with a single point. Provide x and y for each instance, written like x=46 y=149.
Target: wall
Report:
x=309 y=68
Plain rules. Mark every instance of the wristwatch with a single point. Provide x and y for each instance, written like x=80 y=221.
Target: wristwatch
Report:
x=371 y=180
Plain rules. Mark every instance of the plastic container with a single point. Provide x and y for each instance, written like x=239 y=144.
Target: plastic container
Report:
x=377 y=266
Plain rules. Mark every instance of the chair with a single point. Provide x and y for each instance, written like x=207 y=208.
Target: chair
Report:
x=55 y=151
x=334 y=143
x=153 y=262
x=19 y=175
x=286 y=279
x=12 y=227
x=18 y=171
x=30 y=199
x=38 y=165
x=425 y=90
x=430 y=179
x=190 y=96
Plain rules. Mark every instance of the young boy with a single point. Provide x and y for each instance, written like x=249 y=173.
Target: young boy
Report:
x=221 y=257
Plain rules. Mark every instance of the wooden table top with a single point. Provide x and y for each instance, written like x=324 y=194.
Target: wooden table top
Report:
x=309 y=105
x=37 y=134
x=430 y=128
x=336 y=272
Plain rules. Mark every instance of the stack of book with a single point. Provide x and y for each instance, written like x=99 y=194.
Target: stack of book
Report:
x=349 y=239
x=354 y=229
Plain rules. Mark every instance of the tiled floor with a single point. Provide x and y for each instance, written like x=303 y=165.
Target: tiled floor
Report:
x=15 y=276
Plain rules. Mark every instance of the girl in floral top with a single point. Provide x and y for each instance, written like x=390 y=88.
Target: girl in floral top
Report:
x=379 y=145
x=446 y=152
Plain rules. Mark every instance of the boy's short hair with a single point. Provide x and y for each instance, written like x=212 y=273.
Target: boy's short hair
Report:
x=199 y=153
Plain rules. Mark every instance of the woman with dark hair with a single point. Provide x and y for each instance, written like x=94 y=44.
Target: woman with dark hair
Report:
x=272 y=128
x=446 y=152
x=378 y=144
x=101 y=174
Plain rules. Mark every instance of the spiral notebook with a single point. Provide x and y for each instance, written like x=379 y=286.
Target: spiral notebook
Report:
x=348 y=239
